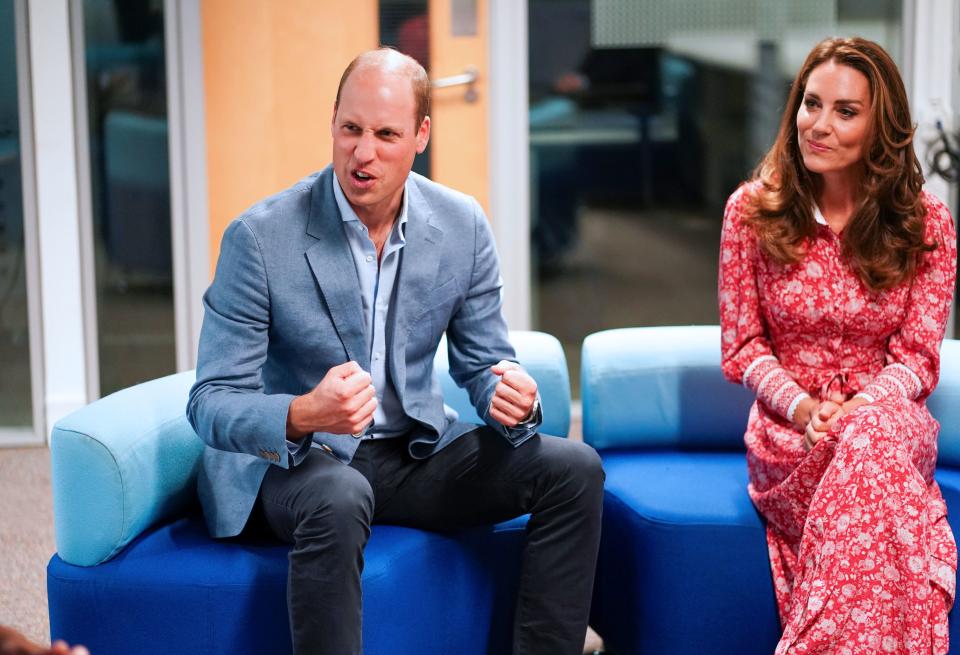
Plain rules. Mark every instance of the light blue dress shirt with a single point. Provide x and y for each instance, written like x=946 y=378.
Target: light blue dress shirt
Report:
x=377 y=281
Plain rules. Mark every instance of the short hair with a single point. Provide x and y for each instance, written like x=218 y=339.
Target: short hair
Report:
x=389 y=58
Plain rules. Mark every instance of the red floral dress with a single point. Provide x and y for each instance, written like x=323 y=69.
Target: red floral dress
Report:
x=862 y=557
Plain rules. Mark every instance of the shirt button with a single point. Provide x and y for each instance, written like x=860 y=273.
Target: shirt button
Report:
x=369 y=258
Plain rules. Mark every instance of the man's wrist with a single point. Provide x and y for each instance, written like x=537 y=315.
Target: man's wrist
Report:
x=295 y=431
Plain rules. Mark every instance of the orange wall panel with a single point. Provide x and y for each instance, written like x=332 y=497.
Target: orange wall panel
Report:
x=459 y=144
x=270 y=78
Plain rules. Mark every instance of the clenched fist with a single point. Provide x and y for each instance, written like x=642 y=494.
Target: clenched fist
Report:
x=343 y=403
x=514 y=395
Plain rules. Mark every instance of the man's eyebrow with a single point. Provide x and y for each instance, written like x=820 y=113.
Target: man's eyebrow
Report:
x=380 y=128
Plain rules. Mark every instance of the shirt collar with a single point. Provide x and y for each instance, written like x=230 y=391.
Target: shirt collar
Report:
x=347 y=214
x=818 y=215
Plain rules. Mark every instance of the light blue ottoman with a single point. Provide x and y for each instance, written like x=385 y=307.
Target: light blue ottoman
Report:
x=683 y=565
x=136 y=572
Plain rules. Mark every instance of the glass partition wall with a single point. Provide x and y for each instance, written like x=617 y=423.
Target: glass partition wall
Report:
x=644 y=116
x=17 y=405
x=129 y=172
x=123 y=97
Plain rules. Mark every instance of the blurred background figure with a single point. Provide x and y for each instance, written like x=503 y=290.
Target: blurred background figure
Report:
x=644 y=116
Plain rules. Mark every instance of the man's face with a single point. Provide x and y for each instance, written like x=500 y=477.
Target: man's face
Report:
x=375 y=139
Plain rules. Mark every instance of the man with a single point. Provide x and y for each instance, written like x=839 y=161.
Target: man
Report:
x=315 y=390
x=14 y=643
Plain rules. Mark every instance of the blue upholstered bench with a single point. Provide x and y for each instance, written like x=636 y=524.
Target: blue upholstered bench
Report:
x=136 y=572
x=683 y=564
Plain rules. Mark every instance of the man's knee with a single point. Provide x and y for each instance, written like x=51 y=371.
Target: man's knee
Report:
x=343 y=505
x=574 y=462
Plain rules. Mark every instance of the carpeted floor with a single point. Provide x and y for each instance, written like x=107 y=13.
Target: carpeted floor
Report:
x=26 y=540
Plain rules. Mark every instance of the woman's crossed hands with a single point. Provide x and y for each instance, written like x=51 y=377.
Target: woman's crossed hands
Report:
x=818 y=418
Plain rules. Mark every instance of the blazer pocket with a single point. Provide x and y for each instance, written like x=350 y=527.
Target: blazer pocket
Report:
x=436 y=309
x=440 y=296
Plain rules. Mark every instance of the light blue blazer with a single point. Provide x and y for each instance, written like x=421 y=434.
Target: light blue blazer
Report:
x=285 y=306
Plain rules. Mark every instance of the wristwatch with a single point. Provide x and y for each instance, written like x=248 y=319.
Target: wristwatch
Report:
x=532 y=416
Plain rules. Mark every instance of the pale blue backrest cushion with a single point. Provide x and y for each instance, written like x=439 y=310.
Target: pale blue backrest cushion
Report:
x=661 y=387
x=944 y=403
x=542 y=356
x=131 y=459
x=119 y=465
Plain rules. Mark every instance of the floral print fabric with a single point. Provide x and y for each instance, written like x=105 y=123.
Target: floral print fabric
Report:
x=862 y=557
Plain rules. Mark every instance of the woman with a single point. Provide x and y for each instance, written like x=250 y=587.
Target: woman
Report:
x=836 y=275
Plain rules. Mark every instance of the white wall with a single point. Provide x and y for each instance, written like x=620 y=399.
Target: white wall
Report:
x=934 y=82
x=62 y=335
x=510 y=155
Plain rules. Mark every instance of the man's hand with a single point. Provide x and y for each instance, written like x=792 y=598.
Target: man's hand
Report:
x=514 y=395
x=61 y=647
x=14 y=643
x=343 y=403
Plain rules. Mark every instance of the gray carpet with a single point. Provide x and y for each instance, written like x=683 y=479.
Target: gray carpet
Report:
x=26 y=540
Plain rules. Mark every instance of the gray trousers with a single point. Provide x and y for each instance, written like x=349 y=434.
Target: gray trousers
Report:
x=325 y=509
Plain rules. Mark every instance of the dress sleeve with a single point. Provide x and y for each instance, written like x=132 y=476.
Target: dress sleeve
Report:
x=913 y=351
x=746 y=355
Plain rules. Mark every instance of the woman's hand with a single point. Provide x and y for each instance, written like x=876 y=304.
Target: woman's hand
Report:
x=804 y=412
x=854 y=403
x=822 y=419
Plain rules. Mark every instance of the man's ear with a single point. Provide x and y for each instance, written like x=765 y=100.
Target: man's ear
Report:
x=333 y=120
x=423 y=135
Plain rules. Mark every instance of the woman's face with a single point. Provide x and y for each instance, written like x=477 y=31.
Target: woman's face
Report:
x=833 y=118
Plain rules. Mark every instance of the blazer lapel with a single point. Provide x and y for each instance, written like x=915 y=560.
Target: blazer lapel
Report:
x=416 y=278
x=333 y=267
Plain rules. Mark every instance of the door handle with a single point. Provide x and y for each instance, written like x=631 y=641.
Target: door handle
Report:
x=468 y=78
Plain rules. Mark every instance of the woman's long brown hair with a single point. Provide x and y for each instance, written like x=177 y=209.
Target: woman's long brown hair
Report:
x=884 y=239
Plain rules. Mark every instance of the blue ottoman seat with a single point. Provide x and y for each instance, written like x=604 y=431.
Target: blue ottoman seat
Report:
x=137 y=572
x=683 y=565
x=175 y=590
x=674 y=536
